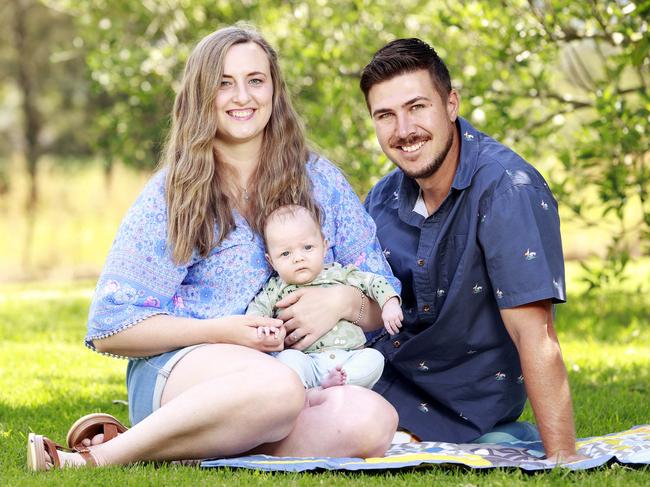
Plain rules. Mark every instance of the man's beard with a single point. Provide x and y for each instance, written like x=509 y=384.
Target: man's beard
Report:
x=431 y=168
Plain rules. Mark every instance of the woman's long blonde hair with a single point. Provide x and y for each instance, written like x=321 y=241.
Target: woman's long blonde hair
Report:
x=199 y=190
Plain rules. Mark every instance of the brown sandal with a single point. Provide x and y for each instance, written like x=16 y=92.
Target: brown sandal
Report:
x=91 y=425
x=37 y=448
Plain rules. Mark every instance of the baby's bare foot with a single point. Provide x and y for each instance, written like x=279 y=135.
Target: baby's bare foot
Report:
x=336 y=377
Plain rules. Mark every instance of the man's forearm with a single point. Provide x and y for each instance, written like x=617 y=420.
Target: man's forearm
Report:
x=549 y=393
x=531 y=329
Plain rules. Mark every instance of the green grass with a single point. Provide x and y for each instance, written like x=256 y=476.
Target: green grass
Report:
x=75 y=221
x=48 y=379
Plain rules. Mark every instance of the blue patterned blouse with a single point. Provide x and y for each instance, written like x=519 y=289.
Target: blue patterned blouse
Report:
x=140 y=279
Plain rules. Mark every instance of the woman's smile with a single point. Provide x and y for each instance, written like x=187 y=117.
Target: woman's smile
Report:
x=241 y=114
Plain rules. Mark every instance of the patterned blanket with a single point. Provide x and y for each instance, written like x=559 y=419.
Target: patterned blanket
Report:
x=631 y=447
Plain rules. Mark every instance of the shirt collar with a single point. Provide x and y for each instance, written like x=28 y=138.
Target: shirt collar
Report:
x=406 y=197
x=469 y=148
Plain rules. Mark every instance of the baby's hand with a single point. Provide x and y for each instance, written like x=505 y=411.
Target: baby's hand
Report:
x=392 y=315
x=267 y=331
x=271 y=338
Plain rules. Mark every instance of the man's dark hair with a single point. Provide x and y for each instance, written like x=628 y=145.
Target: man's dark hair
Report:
x=405 y=56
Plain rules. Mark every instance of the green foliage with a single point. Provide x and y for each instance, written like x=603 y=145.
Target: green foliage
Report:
x=565 y=83
x=38 y=58
x=48 y=380
x=523 y=67
x=134 y=55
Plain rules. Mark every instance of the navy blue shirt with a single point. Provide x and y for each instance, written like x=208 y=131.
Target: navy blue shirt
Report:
x=453 y=372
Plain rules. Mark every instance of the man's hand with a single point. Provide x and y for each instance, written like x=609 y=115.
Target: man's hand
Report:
x=392 y=316
x=310 y=312
x=562 y=458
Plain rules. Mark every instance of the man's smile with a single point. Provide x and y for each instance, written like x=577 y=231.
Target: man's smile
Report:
x=413 y=147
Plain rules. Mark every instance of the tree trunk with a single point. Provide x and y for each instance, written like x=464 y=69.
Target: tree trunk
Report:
x=31 y=117
x=109 y=170
x=26 y=82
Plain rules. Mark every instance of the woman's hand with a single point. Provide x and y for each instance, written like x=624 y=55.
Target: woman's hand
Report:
x=258 y=332
x=310 y=312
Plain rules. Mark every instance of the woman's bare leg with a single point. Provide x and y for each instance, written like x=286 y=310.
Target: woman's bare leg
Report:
x=352 y=421
x=220 y=400
x=346 y=421
x=224 y=400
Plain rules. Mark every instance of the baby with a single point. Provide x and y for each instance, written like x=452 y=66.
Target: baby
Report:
x=296 y=249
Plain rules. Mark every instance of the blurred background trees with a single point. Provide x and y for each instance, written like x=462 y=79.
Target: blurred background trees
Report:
x=565 y=83
x=42 y=83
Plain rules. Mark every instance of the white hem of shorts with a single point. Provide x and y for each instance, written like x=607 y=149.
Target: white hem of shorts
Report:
x=165 y=370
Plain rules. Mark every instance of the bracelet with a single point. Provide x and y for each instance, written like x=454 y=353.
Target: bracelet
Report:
x=362 y=308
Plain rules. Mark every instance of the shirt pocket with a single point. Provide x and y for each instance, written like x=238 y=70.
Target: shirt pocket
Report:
x=450 y=251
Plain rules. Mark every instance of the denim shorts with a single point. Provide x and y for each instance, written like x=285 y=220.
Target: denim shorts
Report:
x=146 y=379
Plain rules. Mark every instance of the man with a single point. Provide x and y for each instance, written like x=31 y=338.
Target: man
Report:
x=472 y=231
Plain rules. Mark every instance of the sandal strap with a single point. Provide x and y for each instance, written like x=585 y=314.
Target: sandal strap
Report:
x=110 y=431
x=88 y=458
x=52 y=449
x=106 y=425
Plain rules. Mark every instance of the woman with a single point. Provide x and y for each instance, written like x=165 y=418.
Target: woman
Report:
x=188 y=259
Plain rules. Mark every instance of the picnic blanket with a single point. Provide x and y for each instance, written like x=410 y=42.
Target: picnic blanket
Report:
x=630 y=447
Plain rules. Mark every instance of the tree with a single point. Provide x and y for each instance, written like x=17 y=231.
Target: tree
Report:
x=562 y=81
x=572 y=75
x=134 y=55
x=48 y=81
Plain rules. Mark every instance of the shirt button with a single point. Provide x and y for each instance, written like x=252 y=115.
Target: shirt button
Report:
x=426 y=308
x=396 y=343
x=421 y=262
x=332 y=356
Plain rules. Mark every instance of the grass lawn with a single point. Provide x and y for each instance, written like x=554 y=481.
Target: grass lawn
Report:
x=48 y=379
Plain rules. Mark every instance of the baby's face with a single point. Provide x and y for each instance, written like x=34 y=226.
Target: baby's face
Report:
x=295 y=247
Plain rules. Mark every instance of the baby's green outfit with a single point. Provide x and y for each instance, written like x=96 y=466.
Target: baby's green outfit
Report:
x=343 y=344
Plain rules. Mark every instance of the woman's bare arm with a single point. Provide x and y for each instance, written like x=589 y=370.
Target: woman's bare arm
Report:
x=162 y=333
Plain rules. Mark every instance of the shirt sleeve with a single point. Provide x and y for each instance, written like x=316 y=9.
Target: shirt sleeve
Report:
x=264 y=302
x=373 y=285
x=519 y=232
x=350 y=231
x=139 y=278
